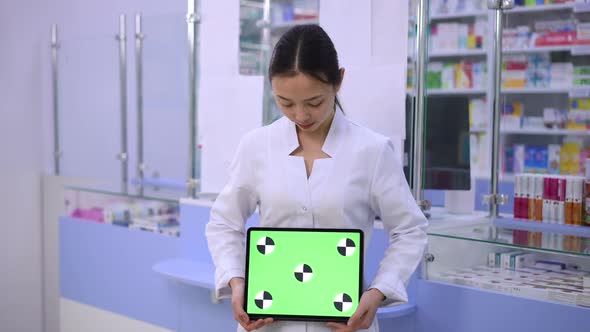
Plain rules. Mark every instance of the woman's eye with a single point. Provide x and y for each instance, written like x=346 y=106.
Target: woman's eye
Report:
x=287 y=105
x=316 y=104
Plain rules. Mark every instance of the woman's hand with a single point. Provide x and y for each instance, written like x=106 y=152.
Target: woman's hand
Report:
x=237 y=303
x=364 y=314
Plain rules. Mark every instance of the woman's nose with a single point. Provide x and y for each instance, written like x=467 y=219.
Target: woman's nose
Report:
x=301 y=115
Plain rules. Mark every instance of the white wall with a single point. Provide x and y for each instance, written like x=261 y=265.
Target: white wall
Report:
x=372 y=40
x=20 y=166
x=230 y=105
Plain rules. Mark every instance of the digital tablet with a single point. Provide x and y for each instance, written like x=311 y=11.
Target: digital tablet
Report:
x=303 y=274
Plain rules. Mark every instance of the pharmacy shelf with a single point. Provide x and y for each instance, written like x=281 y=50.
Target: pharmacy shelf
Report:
x=575 y=50
x=559 y=48
x=451 y=16
x=540 y=8
x=458 y=53
x=582 y=7
x=527 y=225
x=500 y=231
x=545 y=132
x=290 y=24
x=453 y=92
x=536 y=90
x=579 y=92
x=574 y=92
x=580 y=50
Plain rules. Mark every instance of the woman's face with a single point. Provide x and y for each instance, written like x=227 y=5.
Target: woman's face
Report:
x=306 y=101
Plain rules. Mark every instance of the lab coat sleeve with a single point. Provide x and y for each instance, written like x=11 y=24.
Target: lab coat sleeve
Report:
x=225 y=231
x=404 y=223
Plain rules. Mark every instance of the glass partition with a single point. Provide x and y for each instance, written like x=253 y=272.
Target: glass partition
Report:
x=165 y=97
x=90 y=107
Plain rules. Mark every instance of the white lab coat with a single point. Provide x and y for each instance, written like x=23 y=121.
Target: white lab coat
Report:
x=362 y=179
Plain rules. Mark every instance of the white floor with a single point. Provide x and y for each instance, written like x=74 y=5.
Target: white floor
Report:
x=77 y=317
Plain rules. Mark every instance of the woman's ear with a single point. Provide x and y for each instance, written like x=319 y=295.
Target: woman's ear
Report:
x=342 y=71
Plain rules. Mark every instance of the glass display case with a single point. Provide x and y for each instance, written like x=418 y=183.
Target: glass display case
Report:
x=539 y=250
x=513 y=257
x=153 y=212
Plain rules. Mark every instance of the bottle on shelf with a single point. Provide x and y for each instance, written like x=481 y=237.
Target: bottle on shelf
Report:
x=538 y=214
x=569 y=200
x=517 y=204
x=577 y=205
x=554 y=200
x=531 y=197
x=587 y=193
x=524 y=197
x=561 y=192
x=546 y=200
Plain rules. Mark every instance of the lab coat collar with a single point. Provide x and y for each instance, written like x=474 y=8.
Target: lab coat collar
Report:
x=332 y=141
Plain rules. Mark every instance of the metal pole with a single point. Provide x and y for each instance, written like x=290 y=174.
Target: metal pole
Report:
x=139 y=78
x=54 y=77
x=265 y=42
x=419 y=112
x=193 y=20
x=495 y=199
x=123 y=157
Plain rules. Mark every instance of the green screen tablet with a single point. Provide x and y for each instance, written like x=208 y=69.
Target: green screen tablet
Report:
x=303 y=274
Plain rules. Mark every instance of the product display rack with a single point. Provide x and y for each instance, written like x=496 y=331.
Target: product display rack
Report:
x=547 y=265
x=537 y=99
x=578 y=50
x=520 y=15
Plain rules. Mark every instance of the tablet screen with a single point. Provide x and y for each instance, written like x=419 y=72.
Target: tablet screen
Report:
x=303 y=274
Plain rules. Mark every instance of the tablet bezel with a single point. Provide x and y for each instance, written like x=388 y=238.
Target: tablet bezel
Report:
x=311 y=318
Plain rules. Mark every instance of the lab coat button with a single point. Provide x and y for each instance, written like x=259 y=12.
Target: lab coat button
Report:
x=304 y=208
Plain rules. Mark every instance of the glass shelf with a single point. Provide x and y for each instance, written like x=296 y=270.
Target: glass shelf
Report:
x=508 y=232
x=136 y=192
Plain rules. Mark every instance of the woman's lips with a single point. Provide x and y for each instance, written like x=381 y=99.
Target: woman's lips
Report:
x=305 y=126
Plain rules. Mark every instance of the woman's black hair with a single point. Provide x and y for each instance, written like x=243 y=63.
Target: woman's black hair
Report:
x=309 y=50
